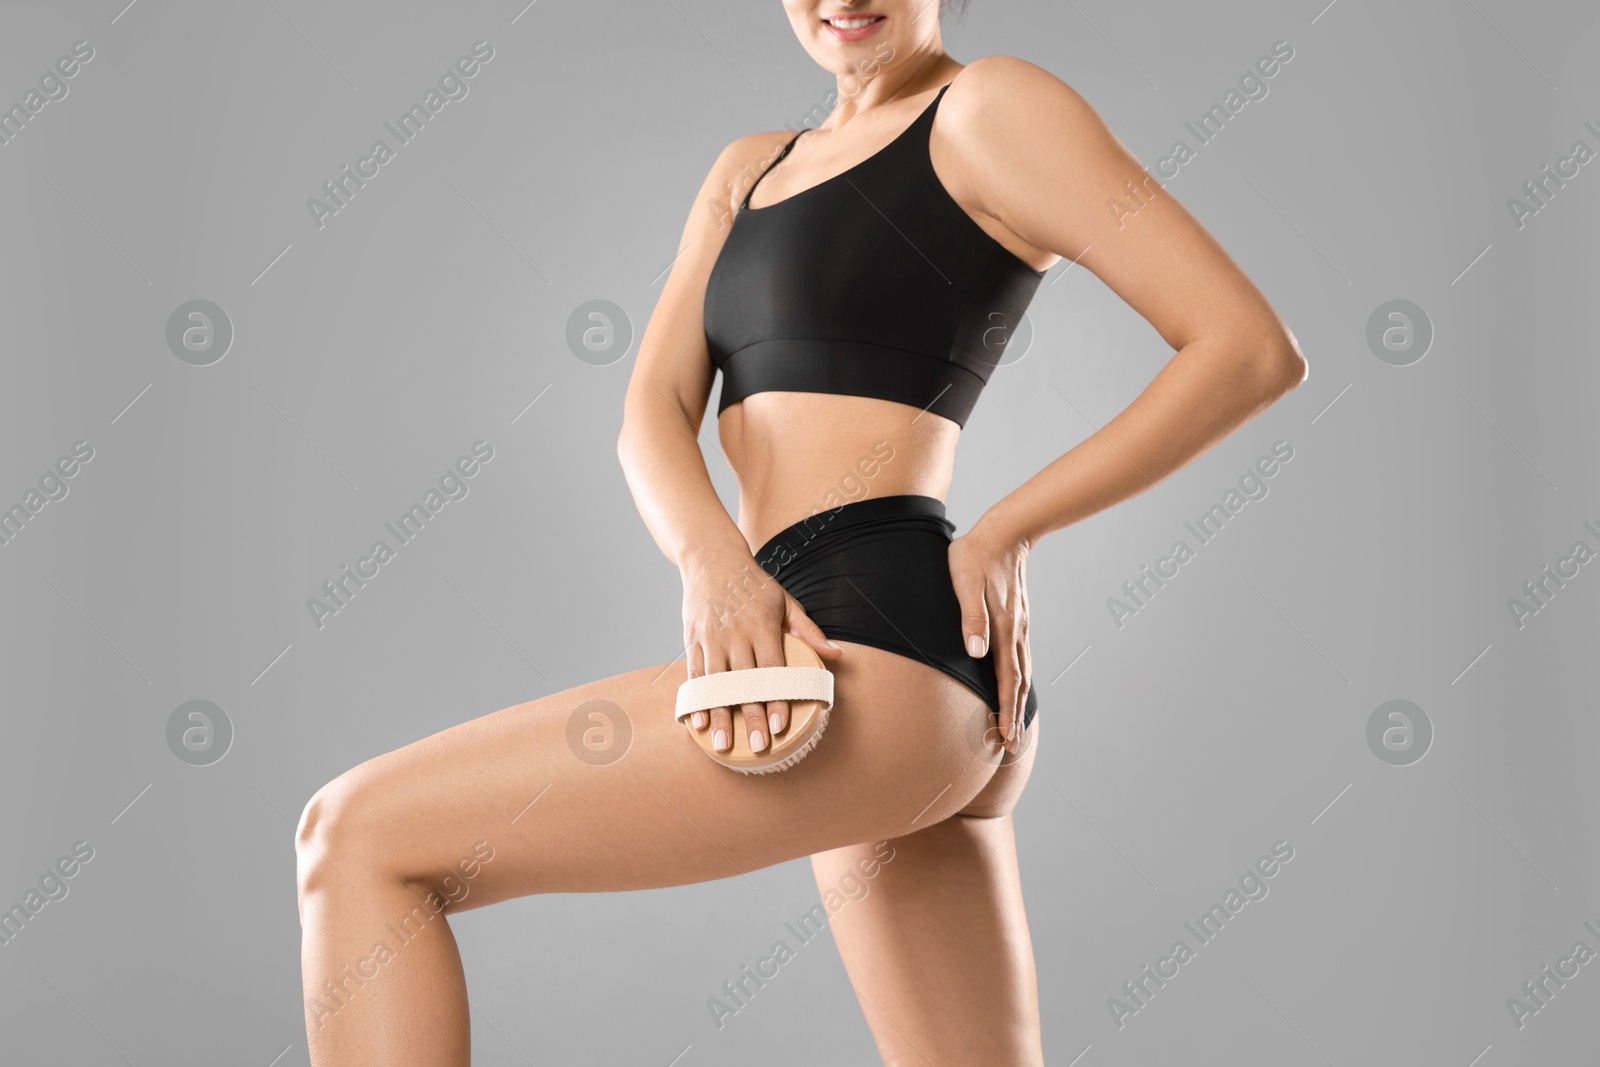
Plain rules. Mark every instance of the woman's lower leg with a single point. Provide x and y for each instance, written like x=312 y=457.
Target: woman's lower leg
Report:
x=379 y=966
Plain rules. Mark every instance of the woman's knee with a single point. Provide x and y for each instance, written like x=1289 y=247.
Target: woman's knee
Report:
x=380 y=825
x=313 y=838
x=339 y=840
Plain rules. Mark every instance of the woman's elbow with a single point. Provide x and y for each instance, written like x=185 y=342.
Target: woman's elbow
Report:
x=627 y=442
x=626 y=435
x=1280 y=364
x=643 y=426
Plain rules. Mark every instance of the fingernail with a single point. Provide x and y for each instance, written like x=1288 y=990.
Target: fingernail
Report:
x=772 y=721
x=719 y=740
x=699 y=719
x=974 y=646
x=837 y=645
x=757 y=741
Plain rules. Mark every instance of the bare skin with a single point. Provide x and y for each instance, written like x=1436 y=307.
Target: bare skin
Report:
x=501 y=806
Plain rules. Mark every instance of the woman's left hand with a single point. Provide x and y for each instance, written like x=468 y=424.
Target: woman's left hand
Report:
x=988 y=567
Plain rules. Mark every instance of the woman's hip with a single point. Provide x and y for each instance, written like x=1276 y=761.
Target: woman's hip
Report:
x=876 y=572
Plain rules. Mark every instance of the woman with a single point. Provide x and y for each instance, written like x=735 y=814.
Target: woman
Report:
x=908 y=231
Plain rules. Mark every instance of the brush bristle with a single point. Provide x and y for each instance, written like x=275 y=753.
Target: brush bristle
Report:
x=788 y=761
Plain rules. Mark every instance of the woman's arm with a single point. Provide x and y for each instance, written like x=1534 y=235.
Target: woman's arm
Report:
x=667 y=395
x=1068 y=185
x=659 y=450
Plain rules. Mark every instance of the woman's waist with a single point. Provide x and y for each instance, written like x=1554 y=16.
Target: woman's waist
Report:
x=830 y=489
x=797 y=455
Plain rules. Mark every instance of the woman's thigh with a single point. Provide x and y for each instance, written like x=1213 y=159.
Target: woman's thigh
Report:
x=903 y=750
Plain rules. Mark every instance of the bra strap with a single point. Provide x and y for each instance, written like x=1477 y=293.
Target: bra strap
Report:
x=933 y=106
x=746 y=201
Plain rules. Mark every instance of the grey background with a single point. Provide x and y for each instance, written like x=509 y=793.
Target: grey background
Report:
x=1229 y=714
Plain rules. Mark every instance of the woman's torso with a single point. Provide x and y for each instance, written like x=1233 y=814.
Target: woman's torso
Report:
x=811 y=260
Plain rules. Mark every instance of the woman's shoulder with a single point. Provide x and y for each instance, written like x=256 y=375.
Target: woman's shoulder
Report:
x=1005 y=108
x=742 y=146
x=745 y=158
x=992 y=84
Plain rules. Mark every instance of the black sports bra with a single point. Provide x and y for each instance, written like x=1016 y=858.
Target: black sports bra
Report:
x=874 y=283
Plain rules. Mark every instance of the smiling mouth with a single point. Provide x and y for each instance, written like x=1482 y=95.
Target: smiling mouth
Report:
x=852 y=24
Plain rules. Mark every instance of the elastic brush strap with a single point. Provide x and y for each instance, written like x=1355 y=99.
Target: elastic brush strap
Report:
x=729 y=689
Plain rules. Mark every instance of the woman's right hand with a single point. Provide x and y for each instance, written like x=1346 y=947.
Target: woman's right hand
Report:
x=734 y=616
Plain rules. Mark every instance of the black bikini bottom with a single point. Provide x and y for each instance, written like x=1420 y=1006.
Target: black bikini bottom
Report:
x=877 y=572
